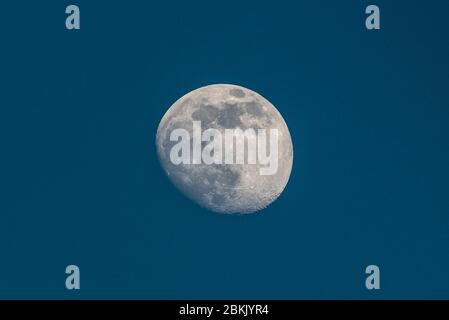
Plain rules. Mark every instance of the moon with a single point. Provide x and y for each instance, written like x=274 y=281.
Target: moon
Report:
x=226 y=188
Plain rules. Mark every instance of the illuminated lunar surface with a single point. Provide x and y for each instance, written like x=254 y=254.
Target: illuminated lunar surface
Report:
x=225 y=188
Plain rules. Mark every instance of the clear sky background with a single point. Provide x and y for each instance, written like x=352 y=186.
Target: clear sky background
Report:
x=80 y=182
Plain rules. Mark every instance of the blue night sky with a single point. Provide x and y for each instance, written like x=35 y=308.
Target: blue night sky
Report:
x=80 y=182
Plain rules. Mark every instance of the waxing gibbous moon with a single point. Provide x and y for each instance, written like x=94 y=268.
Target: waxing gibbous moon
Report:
x=226 y=188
